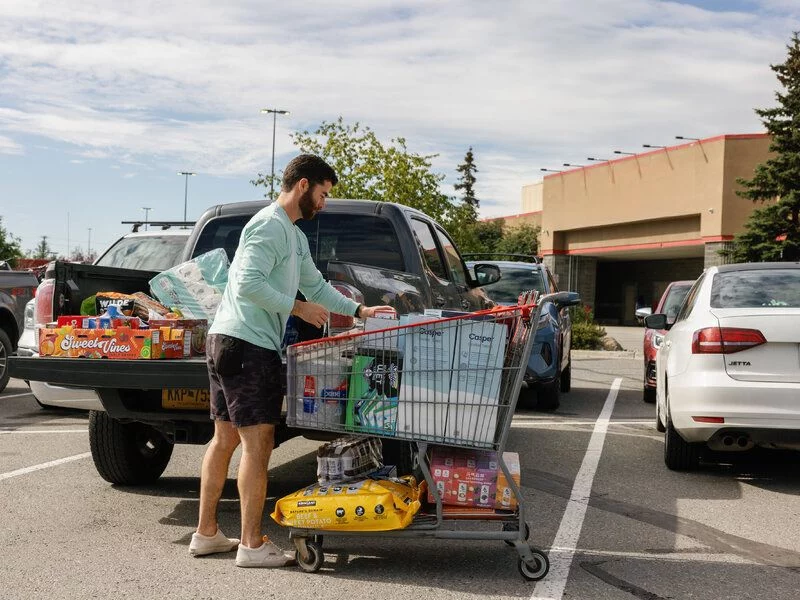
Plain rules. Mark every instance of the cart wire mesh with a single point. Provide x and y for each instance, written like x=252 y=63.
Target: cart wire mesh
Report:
x=448 y=381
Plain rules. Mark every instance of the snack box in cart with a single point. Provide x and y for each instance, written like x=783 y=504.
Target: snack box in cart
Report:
x=118 y=343
x=473 y=478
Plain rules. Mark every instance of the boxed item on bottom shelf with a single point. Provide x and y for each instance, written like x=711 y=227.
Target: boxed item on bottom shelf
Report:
x=473 y=478
x=348 y=458
x=119 y=343
x=372 y=392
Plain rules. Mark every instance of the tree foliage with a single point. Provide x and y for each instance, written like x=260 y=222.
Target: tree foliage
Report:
x=522 y=239
x=9 y=245
x=773 y=232
x=43 y=249
x=371 y=170
x=467 y=180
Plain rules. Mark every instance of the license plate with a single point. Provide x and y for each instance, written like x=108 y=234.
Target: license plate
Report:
x=185 y=398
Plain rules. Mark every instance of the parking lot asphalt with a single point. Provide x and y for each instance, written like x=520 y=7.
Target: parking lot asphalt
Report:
x=615 y=522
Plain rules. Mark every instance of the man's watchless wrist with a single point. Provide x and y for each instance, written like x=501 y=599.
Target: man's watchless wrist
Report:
x=357 y=314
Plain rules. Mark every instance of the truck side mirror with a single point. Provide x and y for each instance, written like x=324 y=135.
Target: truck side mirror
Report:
x=486 y=274
x=657 y=321
x=564 y=299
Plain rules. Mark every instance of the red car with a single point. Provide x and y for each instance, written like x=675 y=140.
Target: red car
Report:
x=670 y=304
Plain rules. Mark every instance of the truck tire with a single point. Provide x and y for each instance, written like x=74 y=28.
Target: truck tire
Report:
x=548 y=396
x=127 y=453
x=5 y=351
x=400 y=453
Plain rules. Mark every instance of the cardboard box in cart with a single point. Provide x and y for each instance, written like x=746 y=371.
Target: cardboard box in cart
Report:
x=473 y=478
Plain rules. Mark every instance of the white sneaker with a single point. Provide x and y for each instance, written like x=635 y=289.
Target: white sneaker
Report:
x=203 y=544
x=267 y=555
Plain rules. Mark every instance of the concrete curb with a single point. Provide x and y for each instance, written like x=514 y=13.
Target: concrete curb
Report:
x=606 y=354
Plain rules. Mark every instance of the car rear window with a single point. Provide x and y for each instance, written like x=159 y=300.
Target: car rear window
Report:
x=147 y=253
x=513 y=281
x=756 y=288
x=363 y=239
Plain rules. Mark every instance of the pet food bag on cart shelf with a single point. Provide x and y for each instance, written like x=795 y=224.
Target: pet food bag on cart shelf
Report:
x=348 y=458
x=366 y=505
x=372 y=392
x=195 y=286
x=322 y=380
x=473 y=478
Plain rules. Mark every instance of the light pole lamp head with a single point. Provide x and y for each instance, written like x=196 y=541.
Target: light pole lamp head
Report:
x=275 y=111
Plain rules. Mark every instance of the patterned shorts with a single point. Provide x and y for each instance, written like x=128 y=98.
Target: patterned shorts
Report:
x=247 y=383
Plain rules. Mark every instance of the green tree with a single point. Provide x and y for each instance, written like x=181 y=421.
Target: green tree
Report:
x=466 y=182
x=773 y=233
x=522 y=239
x=9 y=245
x=370 y=170
x=43 y=249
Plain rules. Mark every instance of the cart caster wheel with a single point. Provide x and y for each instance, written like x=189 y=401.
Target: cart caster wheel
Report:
x=315 y=557
x=512 y=527
x=537 y=570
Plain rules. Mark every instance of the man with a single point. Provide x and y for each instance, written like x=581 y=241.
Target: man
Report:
x=243 y=352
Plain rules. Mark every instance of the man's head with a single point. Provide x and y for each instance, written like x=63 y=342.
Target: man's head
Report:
x=312 y=178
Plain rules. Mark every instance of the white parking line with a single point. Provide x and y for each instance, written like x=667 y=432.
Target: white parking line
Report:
x=567 y=423
x=552 y=586
x=16 y=395
x=47 y=465
x=16 y=432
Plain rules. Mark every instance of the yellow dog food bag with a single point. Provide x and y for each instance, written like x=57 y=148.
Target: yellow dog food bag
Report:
x=367 y=505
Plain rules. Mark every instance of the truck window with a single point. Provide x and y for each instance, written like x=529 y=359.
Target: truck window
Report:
x=147 y=253
x=428 y=248
x=361 y=239
x=454 y=262
x=222 y=232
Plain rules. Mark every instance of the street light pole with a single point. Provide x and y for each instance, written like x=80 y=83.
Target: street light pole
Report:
x=275 y=112
x=89 y=246
x=185 y=190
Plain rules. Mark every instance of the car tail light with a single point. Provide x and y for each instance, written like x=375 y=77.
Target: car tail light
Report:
x=708 y=419
x=725 y=340
x=44 y=302
x=347 y=290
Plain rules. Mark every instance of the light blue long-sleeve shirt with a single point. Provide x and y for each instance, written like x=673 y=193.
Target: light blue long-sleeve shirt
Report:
x=272 y=262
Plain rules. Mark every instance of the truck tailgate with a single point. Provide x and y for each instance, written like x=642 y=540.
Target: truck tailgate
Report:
x=98 y=374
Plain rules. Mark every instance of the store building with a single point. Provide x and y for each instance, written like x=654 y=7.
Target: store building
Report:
x=620 y=231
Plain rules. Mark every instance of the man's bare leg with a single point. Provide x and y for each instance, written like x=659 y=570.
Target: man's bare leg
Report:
x=214 y=473
x=257 y=444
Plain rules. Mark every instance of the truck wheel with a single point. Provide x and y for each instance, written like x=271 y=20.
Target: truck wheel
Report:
x=566 y=379
x=401 y=454
x=547 y=396
x=127 y=453
x=5 y=352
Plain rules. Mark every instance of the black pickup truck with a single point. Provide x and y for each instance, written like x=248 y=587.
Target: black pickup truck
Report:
x=379 y=253
x=16 y=288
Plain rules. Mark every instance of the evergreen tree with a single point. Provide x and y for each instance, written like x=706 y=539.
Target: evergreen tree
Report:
x=42 y=249
x=773 y=232
x=466 y=183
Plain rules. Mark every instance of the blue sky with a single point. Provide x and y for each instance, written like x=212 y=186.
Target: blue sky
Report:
x=102 y=102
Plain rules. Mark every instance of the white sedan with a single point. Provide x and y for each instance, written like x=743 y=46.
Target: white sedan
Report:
x=728 y=370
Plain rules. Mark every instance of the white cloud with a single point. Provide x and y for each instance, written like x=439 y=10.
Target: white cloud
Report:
x=9 y=146
x=129 y=175
x=528 y=84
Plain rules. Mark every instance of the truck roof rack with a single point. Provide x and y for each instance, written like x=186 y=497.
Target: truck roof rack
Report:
x=162 y=224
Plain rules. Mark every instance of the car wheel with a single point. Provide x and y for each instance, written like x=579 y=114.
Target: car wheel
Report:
x=527 y=396
x=566 y=376
x=679 y=455
x=659 y=425
x=649 y=395
x=547 y=396
x=127 y=453
x=5 y=352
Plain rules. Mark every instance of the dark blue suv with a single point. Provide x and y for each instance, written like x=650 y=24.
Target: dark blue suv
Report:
x=549 y=369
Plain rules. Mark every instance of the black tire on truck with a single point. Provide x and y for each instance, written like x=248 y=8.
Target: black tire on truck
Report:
x=127 y=453
x=402 y=454
x=5 y=351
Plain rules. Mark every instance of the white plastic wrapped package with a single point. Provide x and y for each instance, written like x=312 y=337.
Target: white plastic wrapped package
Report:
x=195 y=286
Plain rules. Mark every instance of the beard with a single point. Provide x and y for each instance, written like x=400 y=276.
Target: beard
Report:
x=307 y=207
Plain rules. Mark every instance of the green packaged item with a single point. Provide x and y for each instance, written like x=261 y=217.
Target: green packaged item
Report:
x=373 y=392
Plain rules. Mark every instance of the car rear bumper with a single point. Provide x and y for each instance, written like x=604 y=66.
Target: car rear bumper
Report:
x=745 y=406
x=60 y=396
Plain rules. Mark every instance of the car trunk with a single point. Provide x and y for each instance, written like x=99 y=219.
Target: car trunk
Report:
x=778 y=360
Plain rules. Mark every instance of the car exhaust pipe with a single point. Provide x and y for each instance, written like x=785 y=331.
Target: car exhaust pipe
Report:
x=727 y=440
x=743 y=441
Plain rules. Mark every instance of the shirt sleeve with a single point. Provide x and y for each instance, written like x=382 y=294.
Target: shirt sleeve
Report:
x=316 y=289
x=256 y=258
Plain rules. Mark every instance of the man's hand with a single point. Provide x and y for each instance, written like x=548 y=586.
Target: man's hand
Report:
x=369 y=311
x=315 y=314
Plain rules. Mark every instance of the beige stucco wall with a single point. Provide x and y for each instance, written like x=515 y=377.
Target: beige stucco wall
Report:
x=683 y=193
x=532 y=197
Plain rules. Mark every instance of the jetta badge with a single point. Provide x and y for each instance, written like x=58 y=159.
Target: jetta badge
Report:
x=739 y=363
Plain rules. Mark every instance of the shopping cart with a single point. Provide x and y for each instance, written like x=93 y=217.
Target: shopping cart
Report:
x=450 y=382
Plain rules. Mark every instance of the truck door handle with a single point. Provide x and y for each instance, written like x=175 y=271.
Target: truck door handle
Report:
x=439 y=299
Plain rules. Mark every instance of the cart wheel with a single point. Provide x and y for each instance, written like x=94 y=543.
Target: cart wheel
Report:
x=537 y=570
x=513 y=527
x=315 y=557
